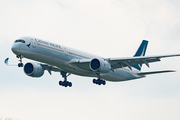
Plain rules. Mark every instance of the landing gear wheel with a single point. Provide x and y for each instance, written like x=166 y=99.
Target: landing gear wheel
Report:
x=20 y=65
x=70 y=84
x=60 y=82
x=94 y=80
x=99 y=81
x=104 y=82
x=65 y=83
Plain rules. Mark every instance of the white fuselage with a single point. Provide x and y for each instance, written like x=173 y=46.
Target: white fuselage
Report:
x=61 y=56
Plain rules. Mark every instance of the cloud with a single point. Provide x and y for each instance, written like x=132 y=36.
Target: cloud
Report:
x=109 y=28
x=101 y=104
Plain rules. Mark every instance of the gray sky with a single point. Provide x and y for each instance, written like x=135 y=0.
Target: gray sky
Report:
x=109 y=28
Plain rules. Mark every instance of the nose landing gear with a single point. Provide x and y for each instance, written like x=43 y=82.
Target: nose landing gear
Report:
x=20 y=60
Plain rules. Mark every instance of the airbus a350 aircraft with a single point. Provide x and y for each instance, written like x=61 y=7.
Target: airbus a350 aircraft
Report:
x=58 y=58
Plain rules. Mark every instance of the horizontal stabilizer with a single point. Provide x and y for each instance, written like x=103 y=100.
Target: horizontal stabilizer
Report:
x=155 y=72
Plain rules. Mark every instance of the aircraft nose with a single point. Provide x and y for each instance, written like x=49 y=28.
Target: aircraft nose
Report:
x=15 y=48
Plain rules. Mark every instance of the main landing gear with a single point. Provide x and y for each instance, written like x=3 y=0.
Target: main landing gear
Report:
x=20 y=59
x=99 y=81
x=65 y=83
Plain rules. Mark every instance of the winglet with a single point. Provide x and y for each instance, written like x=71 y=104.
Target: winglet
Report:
x=6 y=61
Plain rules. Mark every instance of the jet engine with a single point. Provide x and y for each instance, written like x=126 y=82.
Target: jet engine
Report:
x=33 y=69
x=100 y=65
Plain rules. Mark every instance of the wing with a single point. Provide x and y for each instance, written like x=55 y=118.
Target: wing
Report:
x=130 y=61
x=122 y=62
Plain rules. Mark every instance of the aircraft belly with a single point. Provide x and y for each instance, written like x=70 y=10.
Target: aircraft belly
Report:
x=120 y=75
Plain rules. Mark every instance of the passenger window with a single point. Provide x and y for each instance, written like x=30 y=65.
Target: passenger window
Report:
x=22 y=41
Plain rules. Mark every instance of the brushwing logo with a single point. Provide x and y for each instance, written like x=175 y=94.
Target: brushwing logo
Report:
x=29 y=45
x=143 y=51
x=142 y=54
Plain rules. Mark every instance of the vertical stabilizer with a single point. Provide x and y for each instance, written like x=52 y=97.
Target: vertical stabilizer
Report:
x=141 y=52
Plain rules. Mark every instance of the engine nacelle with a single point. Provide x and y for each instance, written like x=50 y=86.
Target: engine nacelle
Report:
x=33 y=69
x=100 y=65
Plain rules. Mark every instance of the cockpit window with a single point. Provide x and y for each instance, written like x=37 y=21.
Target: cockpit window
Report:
x=22 y=41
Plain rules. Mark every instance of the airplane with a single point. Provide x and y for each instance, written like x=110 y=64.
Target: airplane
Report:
x=67 y=61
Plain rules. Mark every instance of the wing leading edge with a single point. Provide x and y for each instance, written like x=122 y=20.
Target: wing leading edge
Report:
x=129 y=62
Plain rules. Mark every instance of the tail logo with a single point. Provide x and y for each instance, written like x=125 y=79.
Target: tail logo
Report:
x=141 y=52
